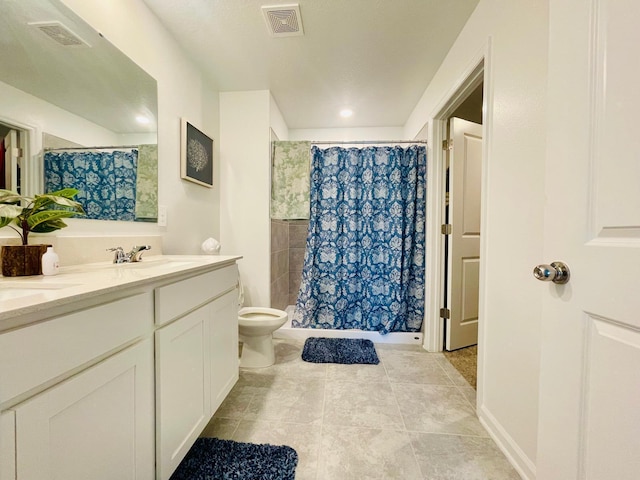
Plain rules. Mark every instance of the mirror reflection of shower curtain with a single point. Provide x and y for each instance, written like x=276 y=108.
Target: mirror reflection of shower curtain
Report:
x=364 y=259
x=106 y=180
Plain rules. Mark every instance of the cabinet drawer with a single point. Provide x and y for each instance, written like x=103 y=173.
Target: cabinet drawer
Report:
x=38 y=353
x=176 y=299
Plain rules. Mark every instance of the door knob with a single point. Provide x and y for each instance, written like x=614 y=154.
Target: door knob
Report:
x=557 y=272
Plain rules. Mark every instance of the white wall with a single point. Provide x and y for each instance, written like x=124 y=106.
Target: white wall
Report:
x=245 y=119
x=347 y=134
x=511 y=305
x=193 y=210
x=276 y=120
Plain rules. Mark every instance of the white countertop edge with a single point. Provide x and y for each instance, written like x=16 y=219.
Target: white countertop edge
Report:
x=81 y=282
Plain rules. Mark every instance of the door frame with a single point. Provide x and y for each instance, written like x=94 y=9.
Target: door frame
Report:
x=32 y=156
x=478 y=71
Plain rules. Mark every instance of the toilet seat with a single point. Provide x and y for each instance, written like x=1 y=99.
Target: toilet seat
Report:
x=259 y=314
x=256 y=324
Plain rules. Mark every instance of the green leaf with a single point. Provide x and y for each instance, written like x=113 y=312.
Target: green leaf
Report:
x=50 y=226
x=42 y=213
x=7 y=196
x=64 y=200
x=47 y=216
x=10 y=211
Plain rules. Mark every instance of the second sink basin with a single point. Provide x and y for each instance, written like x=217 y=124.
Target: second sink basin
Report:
x=155 y=263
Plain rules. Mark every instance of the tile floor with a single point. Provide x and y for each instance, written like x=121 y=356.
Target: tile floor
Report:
x=410 y=417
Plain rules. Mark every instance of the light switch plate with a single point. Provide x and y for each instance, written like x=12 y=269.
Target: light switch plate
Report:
x=162 y=215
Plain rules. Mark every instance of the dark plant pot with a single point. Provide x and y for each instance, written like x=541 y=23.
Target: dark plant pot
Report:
x=22 y=260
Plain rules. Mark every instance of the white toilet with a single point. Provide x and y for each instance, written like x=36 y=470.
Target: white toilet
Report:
x=256 y=326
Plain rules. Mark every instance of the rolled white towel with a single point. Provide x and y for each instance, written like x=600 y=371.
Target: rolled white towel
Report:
x=211 y=246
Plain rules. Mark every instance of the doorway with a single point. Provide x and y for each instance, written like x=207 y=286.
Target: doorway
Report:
x=461 y=252
x=469 y=97
x=461 y=203
x=21 y=162
x=11 y=140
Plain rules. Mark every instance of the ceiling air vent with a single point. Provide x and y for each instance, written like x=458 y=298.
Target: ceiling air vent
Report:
x=60 y=34
x=283 y=20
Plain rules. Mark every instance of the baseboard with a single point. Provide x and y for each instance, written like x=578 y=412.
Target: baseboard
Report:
x=523 y=465
x=288 y=332
x=405 y=338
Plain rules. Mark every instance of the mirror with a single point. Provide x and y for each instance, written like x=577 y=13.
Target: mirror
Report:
x=87 y=100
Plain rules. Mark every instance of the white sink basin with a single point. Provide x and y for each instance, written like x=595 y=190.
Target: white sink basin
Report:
x=10 y=290
x=163 y=262
x=145 y=266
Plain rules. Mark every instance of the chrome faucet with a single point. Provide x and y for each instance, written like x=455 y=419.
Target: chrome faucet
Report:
x=135 y=255
x=119 y=256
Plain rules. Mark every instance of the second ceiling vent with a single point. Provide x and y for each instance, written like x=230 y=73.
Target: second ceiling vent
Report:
x=60 y=33
x=283 y=20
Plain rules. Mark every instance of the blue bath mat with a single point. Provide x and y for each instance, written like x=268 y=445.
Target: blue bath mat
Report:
x=212 y=458
x=339 y=350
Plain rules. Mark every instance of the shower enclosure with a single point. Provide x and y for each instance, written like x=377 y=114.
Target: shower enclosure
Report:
x=363 y=270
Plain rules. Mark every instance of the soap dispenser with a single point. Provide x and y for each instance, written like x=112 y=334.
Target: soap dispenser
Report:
x=50 y=262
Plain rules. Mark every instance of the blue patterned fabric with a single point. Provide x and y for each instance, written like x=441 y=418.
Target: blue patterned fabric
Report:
x=106 y=180
x=364 y=260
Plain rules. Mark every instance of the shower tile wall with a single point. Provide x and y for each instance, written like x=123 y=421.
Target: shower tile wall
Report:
x=288 y=239
x=297 y=241
x=279 y=264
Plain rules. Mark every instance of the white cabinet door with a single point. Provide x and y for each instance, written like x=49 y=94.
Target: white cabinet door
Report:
x=8 y=445
x=224 y=347
x=97 y=424
x=183 y=393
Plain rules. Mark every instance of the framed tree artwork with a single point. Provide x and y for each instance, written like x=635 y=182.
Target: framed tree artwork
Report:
x=196 y=155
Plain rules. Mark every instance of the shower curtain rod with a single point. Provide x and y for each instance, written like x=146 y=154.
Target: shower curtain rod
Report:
x=112 y=147
x=367 y=142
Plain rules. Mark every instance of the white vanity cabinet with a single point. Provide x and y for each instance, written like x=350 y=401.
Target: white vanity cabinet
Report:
x=116 y=379
x=80 y=392
x=196 y=359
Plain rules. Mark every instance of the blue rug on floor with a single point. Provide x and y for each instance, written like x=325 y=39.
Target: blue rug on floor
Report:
x=339 y=350
x=212 y=458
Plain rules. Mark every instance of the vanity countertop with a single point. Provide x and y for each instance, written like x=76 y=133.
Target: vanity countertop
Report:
x=31 y=296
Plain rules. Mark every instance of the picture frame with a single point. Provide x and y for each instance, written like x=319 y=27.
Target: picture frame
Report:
x=196 y=155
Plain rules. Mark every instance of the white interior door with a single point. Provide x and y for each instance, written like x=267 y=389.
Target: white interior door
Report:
x=463 y=279
x=590 y=359
x=11 y=160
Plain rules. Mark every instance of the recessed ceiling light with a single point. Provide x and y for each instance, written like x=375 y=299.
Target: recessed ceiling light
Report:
x=346 y=112
x=142 y=119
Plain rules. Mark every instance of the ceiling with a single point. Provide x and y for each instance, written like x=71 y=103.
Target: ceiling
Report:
x=373 y=56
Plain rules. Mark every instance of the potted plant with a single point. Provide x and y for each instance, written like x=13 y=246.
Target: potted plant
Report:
x=39 y=214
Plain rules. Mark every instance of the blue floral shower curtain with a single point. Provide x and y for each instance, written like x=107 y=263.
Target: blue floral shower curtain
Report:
x=364 y=260
x=106 y=180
